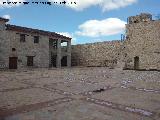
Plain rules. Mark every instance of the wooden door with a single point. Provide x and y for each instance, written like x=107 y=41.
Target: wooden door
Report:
x=12 y=62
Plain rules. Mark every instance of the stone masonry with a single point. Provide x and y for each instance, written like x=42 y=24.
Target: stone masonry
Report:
x=139 y=49
x=96 y=54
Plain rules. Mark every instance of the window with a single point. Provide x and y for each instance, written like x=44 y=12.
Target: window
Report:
x=135 y=21
x=53 y=43
x=13 y=49
x=22 y=37
x=29 y=60
x=36 y=39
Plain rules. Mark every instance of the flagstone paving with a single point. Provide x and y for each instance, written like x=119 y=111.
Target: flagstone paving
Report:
x=79 y=94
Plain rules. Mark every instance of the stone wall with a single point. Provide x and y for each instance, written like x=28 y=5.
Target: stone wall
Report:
x=96 y=54
x=139 y=50
x=143 y=41
x=4 y=49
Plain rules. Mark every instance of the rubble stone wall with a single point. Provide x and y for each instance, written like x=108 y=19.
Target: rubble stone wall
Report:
x=96 y=54
x=143 y=41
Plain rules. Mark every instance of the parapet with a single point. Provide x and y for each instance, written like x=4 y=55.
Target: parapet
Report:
x=143 y=17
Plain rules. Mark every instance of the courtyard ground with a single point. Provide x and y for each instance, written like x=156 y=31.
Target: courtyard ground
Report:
x=79 y=94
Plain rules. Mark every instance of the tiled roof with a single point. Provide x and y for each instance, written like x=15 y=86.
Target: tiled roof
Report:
x=4 y=19
x=35 y=31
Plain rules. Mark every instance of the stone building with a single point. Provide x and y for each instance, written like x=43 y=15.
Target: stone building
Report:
x=141 y=48
x=22 y=47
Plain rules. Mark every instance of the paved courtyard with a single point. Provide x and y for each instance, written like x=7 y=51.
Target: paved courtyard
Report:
x=79 y=94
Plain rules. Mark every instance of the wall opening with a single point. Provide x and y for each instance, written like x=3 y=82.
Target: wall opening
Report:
x=36 y=39
x=64 y=46
x=136 y=63
x=64 y=61
x=22 y=38
x=64 y=43
x=52 y=43
x=13 y=49
x=53 y=60
x=13 y=62
x=29 y=60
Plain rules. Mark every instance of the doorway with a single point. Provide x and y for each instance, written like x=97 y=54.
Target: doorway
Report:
x=136 y=63
x=13 y=62
x=53 y=60
x=64 y=61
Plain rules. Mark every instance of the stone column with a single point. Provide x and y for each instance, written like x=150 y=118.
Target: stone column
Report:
x=58 y=62
x=69 y=53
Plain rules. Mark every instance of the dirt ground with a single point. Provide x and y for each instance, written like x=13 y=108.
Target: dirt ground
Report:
x=79 y=94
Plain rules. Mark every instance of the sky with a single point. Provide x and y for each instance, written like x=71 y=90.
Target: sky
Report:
x=85 y=21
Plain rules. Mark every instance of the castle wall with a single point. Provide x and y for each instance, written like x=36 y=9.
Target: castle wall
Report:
x=96 y=54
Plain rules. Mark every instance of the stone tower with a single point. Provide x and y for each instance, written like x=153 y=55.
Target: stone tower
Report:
x=141 y=47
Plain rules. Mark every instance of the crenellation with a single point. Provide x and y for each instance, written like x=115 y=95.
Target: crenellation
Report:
x=143 y=17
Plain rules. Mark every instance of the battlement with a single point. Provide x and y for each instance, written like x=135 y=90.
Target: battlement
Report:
x=143 y=17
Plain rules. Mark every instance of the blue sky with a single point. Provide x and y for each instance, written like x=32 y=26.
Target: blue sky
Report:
x=86 y=21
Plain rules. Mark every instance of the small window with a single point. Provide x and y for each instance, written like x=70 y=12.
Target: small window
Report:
x=136 y=21
x=125 y=54
x=13 y=49
x=36 y=39
x=22 y=37
x=29 y=60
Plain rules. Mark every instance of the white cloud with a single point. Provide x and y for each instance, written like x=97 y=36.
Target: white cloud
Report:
x=115 y=4
x=97 y=28
x=6 y=5
x=6 y=16
x=106 y=5
x=67 y=34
